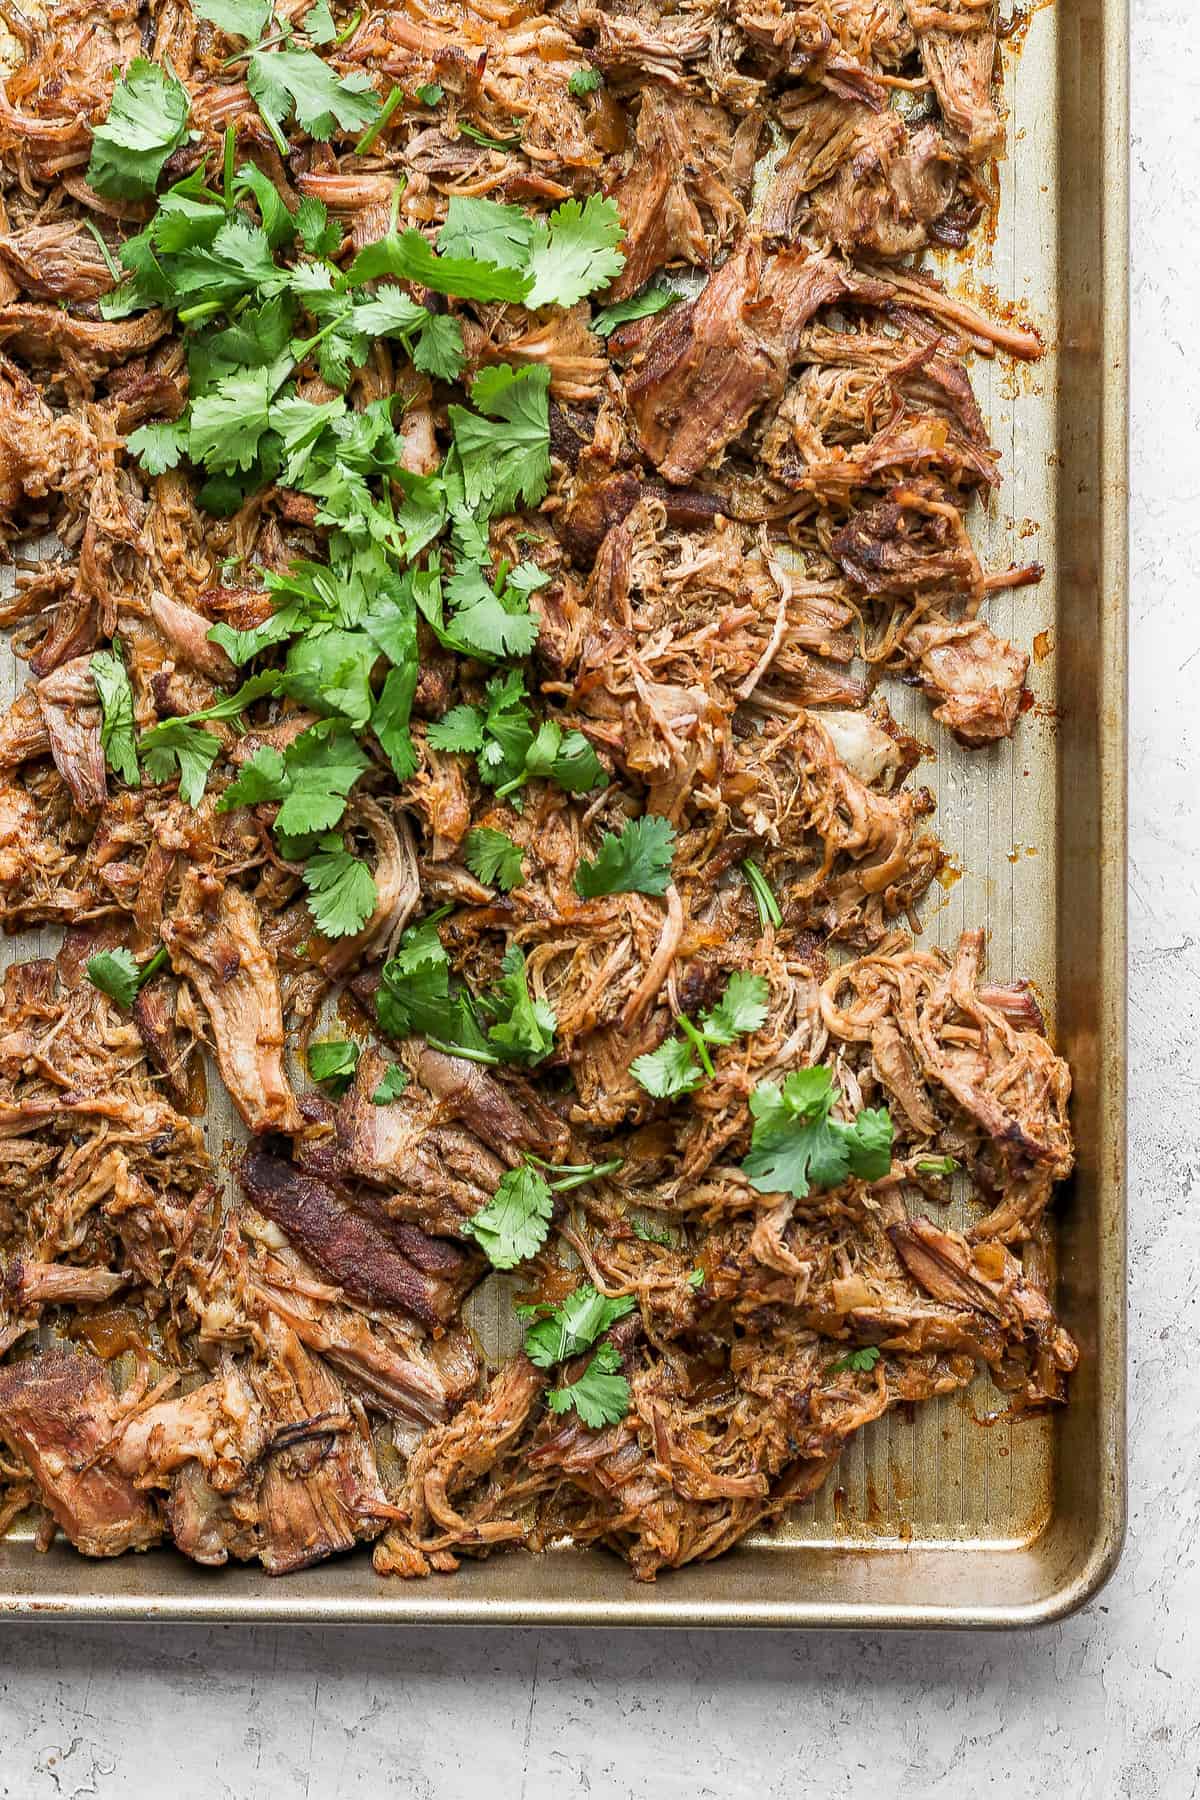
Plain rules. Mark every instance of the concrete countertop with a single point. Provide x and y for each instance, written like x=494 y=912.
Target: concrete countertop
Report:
x=1107 y=1704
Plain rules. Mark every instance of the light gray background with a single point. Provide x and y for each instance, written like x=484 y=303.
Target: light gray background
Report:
x=1105 y=1705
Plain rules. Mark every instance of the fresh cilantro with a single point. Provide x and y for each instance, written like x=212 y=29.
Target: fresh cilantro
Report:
x=514 y=1223
x=318 y=23
x=319 y=236
x=653 y=299
x=505 y=455
x=583 y=81
x=936 y=1165
x=416 y=995
x=236 y=18
x=764 y=899
x=859 y=1362
x=146 y=123
x=178 y=747
x=159 y=446
x=795 y=1145
x=333 y=1061
x=431 y=94
x=287 y=82
x=487 y=230
x=575 y=252
x=600 y=1396
x=636 y=862
x=564 y=757
x=118 y=974
x=494 y=858
x=311 y=779
x=669 y=1071
x=523 y=1028
x=116 y=713
x=564 y=1176
x=509 y=751
x=467 y=130
x=227 y=424
x=410 y=257
x=696 y=1278
x=564 y=1330
x=680 y=1064
x=342 y=895
x=491 y=618
x=392 y=1084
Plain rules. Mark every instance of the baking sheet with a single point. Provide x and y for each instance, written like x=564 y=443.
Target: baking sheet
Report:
x=947 y=1517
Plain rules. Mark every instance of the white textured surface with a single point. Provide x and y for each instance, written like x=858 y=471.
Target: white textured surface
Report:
x=1105 y=1705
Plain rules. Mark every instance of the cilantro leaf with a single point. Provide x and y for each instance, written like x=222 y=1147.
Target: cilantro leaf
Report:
x=415 y=995
x=299 y=81
x=334 y=1061
x=505 y=456
x=514 y=1223
x=601 y=1395
x=566 y=758
x=146 y=123
x=461 y=729
x=583 y=81
x=564 y=1330
x=669 y=1071
x=236 y=18
x=178 y=746
x=858 y=1361
x=795 y=1145
x=331 y=672
x=486 y=230
x=524 y=1028
x=159 y=447
x=653 y=299
x=228 y=423
x=431 y=93
x=488 y=621
x=342 y=895
x=741 y=1008
x=116 y=709
x=319 y=236
x=392 y=1084
x=936 y=1165
x=318 y=23
x=311 y=779
x=575 y=252
x=411 y=257
x=118 y=974
x=636 y=862
x=654 y=1234
x=494 y=858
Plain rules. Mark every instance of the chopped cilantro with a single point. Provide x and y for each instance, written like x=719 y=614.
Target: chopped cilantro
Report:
x=764 y=899
x=504 y=447
x=236 y=18
x=514 y=1223
x=636 y=862
x=601 y=1394
x=575 y=252
x=392 y=1084
x=310 y=779
x=431 y=94
x=146 y=123
x=342 y=894
x=411 y=257
x=653 y=299
x=857 y=1361
x=796 y=1146
x=494 y=858
x=116 y=713
x=583 y=81
x=333 y=1061
x=936 y=1165
x=118 y=974
x=523 y=1028
x=299 y=82
x=562 y=1331
x=680 y=1064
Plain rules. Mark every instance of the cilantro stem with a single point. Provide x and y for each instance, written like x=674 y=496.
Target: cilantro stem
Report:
x=349 y=30
x=153 y=966
x=267 y=43
x=764 y=899
x=583 y=1173
x=479 y=1056
x=698 y=1043
x=113 y=267
x=394 y=99
x=204 y=309
x=230 y=146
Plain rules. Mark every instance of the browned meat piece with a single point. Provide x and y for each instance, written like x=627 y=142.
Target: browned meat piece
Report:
x=186 y=631
x=56 y=262
x=909 y=544
x=976 y=677
x=213 y=939
x=37 y=1284
x=71 y=714
x=58 y=1412
x=219 y=1426
x=384 y=1265
x=712 y=363
x=451 y=1460
x=44 y=334
x=33 y=446
x=320 y=1492
x=957 y=40
x=207 y=1525
x=507 y=1122
x=23 y=733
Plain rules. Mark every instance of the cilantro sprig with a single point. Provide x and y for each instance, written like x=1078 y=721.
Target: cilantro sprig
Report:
x=516 y=1220
x=118 y=974
x=146 y=123
x=563 y=1330
x=795 y=1145
x=601 y=1394
x=680 y=1063
x=511 y=748
x=638 y=861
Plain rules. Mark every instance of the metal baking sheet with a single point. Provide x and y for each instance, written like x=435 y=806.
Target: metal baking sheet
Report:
x=946 y=1517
